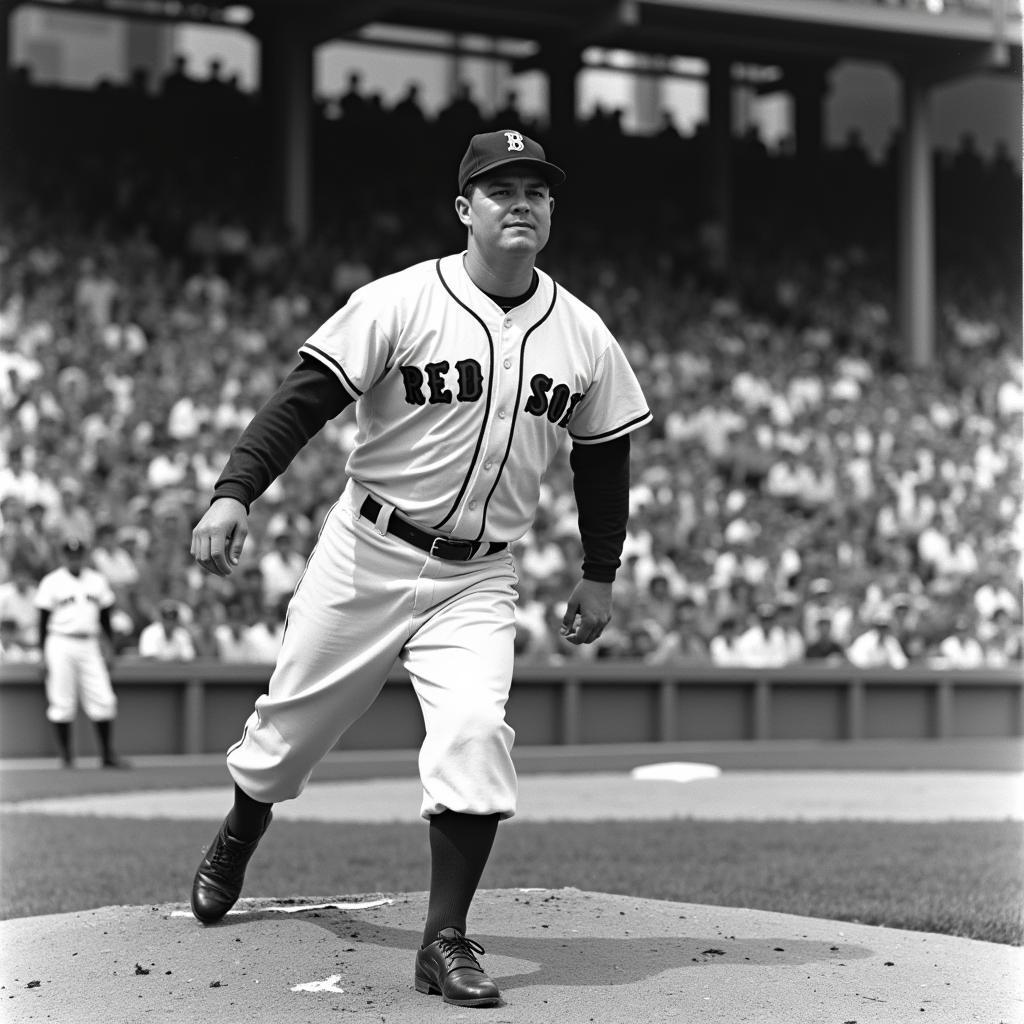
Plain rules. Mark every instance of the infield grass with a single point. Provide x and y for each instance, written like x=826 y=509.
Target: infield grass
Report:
x=958 y=878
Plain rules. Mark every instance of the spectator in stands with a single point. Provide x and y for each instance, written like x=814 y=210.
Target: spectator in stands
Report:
x=683 y=641
x=960 y=649
x=204 y=631
x=233 y=645
x=788 y=624
x=263 y=635
x=820 y=601
x=821 y=645
x=529 y=649
x=113 y=560
x=280 y=568
x=166 y=639
x=724 y=646
x=11 y=648
x=17 y=604
x=95 y=294
x=907 y=626
x=1003 y=642
x=877 y=647
x=764 y=642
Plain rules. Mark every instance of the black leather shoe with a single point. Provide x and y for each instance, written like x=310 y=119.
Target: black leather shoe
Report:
x=449 y=966
x=218 y=881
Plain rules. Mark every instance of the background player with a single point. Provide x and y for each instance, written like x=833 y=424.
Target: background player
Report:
x=468 y=372
x=74 y=603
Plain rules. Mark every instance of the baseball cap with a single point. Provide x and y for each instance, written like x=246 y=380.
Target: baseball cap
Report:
x=495 y=149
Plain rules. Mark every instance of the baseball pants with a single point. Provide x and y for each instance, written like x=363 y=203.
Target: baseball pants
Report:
x=367 y=599
x=75 y=670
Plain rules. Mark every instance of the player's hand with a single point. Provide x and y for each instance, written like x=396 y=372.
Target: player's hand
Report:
x=219 y=536
x=589 y=610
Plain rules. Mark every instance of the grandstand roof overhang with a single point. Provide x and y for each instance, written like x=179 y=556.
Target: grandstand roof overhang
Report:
x=981 y=35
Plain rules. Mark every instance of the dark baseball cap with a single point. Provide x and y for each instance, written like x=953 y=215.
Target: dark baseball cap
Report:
x=495 y=149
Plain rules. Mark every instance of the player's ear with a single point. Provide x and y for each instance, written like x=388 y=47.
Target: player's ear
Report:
x=462 y=209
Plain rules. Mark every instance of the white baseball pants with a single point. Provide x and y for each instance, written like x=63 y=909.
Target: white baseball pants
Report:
x=365 y=600
x=75 y=670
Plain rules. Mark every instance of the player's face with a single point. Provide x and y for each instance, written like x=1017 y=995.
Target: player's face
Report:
x=508 y=212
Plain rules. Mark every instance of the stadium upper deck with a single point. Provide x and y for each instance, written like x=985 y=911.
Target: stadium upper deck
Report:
x=619 y=23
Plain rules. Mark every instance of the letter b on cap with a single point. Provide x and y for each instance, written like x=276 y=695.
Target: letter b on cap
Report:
x=515 y=142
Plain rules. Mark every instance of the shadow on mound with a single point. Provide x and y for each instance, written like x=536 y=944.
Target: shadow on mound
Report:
x=574 y=961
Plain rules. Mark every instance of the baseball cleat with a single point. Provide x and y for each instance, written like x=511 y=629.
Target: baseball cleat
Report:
x=449 y=967
x=219 y=878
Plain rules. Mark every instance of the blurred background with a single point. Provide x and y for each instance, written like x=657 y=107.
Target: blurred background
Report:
x=801 y=219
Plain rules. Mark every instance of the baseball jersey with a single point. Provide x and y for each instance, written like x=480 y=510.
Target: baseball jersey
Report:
x=74 y=602
x=461 y=406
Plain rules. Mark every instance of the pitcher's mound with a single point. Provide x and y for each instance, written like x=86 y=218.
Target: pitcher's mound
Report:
x=560 y=956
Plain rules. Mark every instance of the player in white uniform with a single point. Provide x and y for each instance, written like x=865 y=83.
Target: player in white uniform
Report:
x=468 y=373
x=74 y=605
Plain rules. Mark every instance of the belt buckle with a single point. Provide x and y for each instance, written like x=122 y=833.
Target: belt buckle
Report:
x=452 y=550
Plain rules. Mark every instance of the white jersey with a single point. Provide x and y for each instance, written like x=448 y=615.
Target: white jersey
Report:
x=460 y=406
x=74 y=602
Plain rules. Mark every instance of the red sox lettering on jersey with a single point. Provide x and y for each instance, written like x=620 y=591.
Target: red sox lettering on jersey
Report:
x=463 y=406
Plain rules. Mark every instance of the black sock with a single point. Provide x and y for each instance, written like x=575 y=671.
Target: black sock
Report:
x=248 y=817
x=103 y=731
x=63 y=731
x=459 y=847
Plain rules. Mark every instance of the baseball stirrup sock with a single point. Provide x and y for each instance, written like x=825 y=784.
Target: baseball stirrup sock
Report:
x=248 y=817
x=103 y=731
x=459 y=847
x=63 y=731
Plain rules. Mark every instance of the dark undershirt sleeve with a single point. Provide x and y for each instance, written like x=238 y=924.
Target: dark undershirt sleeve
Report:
x=306 y=399
x=601 y=485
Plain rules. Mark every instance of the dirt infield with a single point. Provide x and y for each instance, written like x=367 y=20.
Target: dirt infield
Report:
x=559 y=955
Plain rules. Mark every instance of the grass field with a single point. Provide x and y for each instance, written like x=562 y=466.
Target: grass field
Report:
x=958 y=878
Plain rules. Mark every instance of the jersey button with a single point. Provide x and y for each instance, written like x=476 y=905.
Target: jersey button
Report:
x=501 y=414
x=472 y=505
x=487 y=465
x=508 y=364
x=508 y=321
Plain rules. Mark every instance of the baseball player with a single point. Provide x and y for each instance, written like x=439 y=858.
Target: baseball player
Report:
x=74 y=605
x=467 y=372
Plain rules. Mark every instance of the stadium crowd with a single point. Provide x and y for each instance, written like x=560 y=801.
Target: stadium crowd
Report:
x=803 y=494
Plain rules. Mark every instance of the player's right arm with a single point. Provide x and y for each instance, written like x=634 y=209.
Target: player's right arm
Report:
x=309 y=396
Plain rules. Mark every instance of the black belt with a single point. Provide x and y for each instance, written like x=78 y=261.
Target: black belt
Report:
x=449 y=548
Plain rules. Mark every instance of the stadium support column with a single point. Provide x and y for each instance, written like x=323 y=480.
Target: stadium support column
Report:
x=809 y=87
x=916 y=226
x=6 y=133
x=286 y=85
x=562 y=64
x=718 y=166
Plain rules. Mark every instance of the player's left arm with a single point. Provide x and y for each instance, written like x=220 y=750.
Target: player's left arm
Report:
x=109 y=649
x=601 y=485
